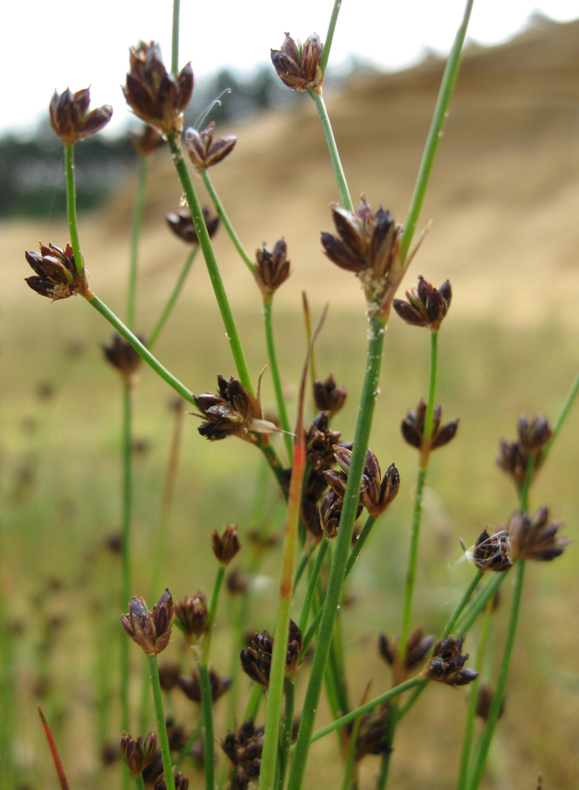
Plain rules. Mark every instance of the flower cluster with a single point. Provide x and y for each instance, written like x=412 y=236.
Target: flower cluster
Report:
x=297 y=65
x=138 y=755
x=243 y=748
x=413 y=429
x=535 y=537
x=447 y=663
x=182 y=225
x=513 y=457
x=56 y=273
x=204 y=151
x=272 y=269
x=256 y=659
x=70 y=118
x=426 y=305
x=151 y=630
x=417 y=648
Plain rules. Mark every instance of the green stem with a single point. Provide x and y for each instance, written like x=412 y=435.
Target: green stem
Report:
x=275 y=375
x=286 y=732
x=494 y=711
x=142 y=350
x=472 y=705
x=367 y=706
x=343 y=542
x=126 y=548
x=209 y=737
x=161 y=726
x=253 y=703
x=210 y=261
x=172 y=298
x=480 y=602
x=562 y=416
x=417 y=515
x=333 y=150
x=330 y=36
x=212 y=614
x=312 y=584
x=305 y=558
x=225 y=221
x=71 y=206
x=140 y=782
x=135 y=234
x=362 y=538
x=175 y=39
x=435 y=133
x=350 y=768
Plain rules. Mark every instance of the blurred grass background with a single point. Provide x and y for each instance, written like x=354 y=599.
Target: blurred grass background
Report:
x=509 y=345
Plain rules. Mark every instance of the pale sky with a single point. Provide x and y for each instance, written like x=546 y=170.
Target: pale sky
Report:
x=55 y=44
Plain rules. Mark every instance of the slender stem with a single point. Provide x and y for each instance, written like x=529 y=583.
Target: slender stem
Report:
x=435 y=133
x=343 y=542
x=330 y=36
x=126 y=547
x=286 y=732
x=71 y=206
x=212 y=614
x=357 y=548
x=305 y=558
x=349 y=781
x=140 y=782
x=209 y=737
x=225 y=221
x=161 y=726
x=494 y=711
x=211 y=262
x=472 y=705
x=172 y=298
x=480 y=602
x=142 y=350
x=367 y=706
x=417 y=515
x=135 y=234
x=175 y=38
x=333 y=150
x=312 y=584
x=562 y=416
x=275 y=375
x=254 y=702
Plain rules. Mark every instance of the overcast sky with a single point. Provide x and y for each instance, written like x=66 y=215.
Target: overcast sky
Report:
x=55 y=44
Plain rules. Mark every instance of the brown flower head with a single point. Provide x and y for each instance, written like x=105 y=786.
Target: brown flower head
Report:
x=234 y=412
x=484 y=699
x=180 y=780
x=331 y=512
x=56 y=274
x=369 y=245
x=203 y=150
x=272 y=269
x=376 y=492
x=154 y=95
x=182 y=225
x=447 y=663
x=320 y=442
x=191 y=687
x=491 y=552
x=413 y=429
x=169 y=672
x=122 y=356
x=147 y=140
x=373 y=732
x=417 y=648
x=513 y=457
x=243 y=748
x=256 y=659
x=328 y=396
x=297 y=65
x=70 y=118
x=138 y=755
x=151 y=630
x=192 y=615
x=225 y=546
x=426 y=305
x=535 y=537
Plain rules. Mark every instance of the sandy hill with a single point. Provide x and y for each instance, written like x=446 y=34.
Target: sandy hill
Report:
x=504 y=195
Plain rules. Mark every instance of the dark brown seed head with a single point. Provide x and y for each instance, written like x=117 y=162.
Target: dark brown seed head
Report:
x=191 y=687
x=169 y=672
x=181 y=782
x=56 y=274
x=70 y=117
x=272 y=269
x=373 y=733
x=154 y=95
x=256 y=659
x=447 y=663
x=203 y=150
x=147 y=140
x=193 y=615
x=331 y=512
x=236 y=582
x=417 y=648
x=138 y=755
x=484 y=699
x=225 y=546
x=535 y=537
x=534 y=435
x=426 y=305
x=328 y=396
x=320 y=442
x=297 y=65
x=491 y=552
x=151 y=630
x=182 y=225
x=122 y=356
x=378 y=492
x=413 y=429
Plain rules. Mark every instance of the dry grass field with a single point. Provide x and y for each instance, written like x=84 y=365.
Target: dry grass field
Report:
x=504 y=202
